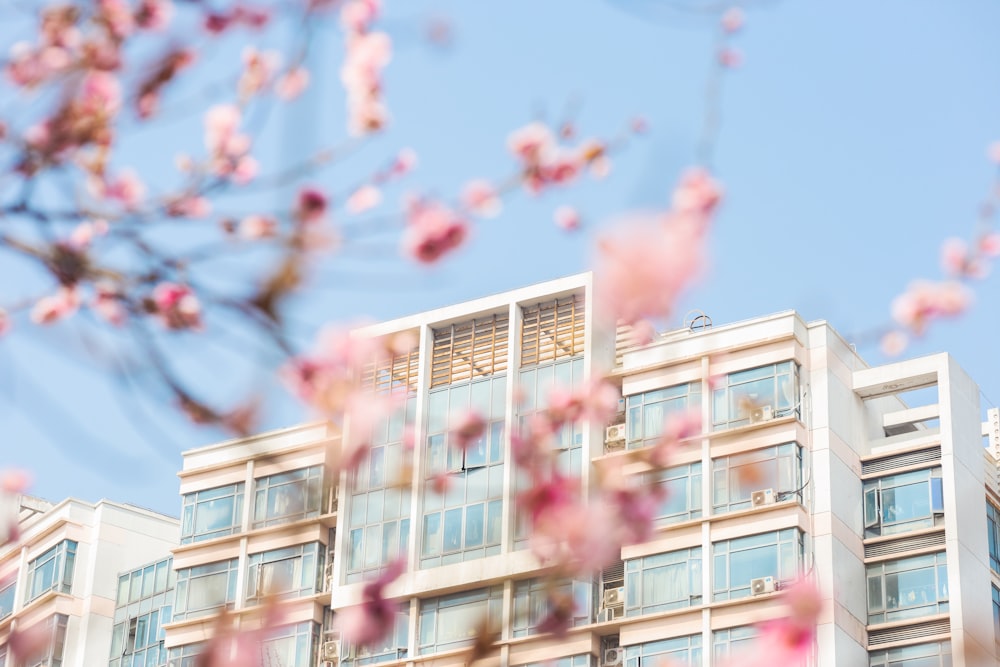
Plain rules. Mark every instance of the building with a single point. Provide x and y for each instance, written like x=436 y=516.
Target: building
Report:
x=881 y=483
x=62 y=574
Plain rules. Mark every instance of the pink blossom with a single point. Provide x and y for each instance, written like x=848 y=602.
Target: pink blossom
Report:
x=372 y=620
x=642 y=265
x=696 y=193
x=732 y=20
x=576 y=538
x=529 y=142
x=788 y=640
x=117 y=16
x=994 y=152
x=5 y=322
x=127 y=188
x=924 y=301
x=480 y=198
x=432 y=231
x=28 y=643
x=258 y=70
x=154 y=14
x=730 y=58
x=176 y=306
x=255 y=227
x=639 y=125
x=364 y=198
x=310 y=206
x=567 y=218
x=467 y=429
x=956 y=260
x=406 y=161
x=83 y=234
x=251 y=17
x=636 y=508
x=989 y=244
x=189 y=206
x=108 y=304
x=677 y=426
x=358 y=15
x=50 y=309
x=14 y=481
x=893 y=343
x=100 y=95
x=221 y=122
x=292 y=83
x=367 y=54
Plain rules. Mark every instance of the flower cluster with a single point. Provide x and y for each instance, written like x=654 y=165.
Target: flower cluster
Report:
x=368 y=53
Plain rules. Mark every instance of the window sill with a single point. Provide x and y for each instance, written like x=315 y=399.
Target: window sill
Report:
x=735 y=431
x=40 y=601
x=917 y=620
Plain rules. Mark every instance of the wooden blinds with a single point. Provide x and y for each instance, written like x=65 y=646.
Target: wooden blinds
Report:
x=396 y=372
x=477 y=348
x=552 y=330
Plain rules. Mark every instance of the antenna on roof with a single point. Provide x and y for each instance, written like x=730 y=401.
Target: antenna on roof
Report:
x=697 y=320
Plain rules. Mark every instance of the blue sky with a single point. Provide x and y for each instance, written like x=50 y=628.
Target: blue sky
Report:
x=853 y=141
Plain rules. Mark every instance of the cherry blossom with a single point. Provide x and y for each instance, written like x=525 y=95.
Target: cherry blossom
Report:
x=52 y=308
x=567 y=218
x=373 y=619
x=256 y=227
x=5 y=322
x=154 y=14
x=467 y=429
x=310 y=205
x=924 y=301
x=432 y=231
x=733 y=20
x=292 y=83
x=176 y=306
x=480 y=198
x=364 y=198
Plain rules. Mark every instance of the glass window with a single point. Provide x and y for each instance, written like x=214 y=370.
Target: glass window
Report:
x=681 y=492
x=898 y=503
x=205 y=589
x=391 y=647
x=145 y=582
x=379 y=514
x=285 y=573
x=774 y=387
x=185 y=656
x=7 y=598
x=996 y=613
x=732 y=642
x=51 y=655
x=287 y=496
x=993 y=536
x=453 y=621
x=907 y=588
x=291 y=646
x=582 y=660
x=211 y=513
x=649 y=411
x=739 y=561
x=464 y=522
x=52 y=571
x=736 y=477
x=937 y=654
x=663 y=581
x=676 y=652
x=536 y=599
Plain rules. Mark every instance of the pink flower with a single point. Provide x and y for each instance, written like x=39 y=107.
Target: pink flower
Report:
x=924 y=301
x=83 y=234
x=176 y=306
x=5 y=322
x=258 y=70
x=642 y=266
x=14 y=481
x=696 y=193
x=732 y=20
x=154 y=14
x=127 y=188
x=221 y=122
x=994 y=152
x=480 y=198
x=406 y=161
x=358 y=15
x=467 y=429
x=957 y=261
x=893 y=343
x=100 y=95
x=677 y=426
x=189 y=206
x=367 y=55
x=529 y=142
x=567 y=218
x=255 y=227
x=989 y=244
x=117 y=16
x=292 y=83
x=364 y=198
x=50 y=309
x=730 y=58
x=372 y=620
x=788 y=640
x=432 y=231
x=310 y=205
x=108 y=304
x=576 y=538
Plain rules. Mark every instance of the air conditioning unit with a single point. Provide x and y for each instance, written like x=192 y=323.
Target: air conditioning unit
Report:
x=331 y=651
x=764 y=413
x=609 y=614
x=615 y=433
x=614 y=597
x=762 y=586
x=613 y=657
x=762 y=498
x=616 y=446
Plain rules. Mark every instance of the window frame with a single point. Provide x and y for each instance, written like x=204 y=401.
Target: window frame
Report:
x=10 y=590
x=783 y=541
x=531 y=603
x=781 y=405
x=296 y=632
x=299 y=557
x=877 y=505
x=637 y=570
x=884 y=657
x=63 y=559
x=675 y=399
x=993 y=535
x=308 y=481
x=729 y=482
x=395 y=645
x=666 y=651
x=467 y=604
x=185 y=578
x=726 y=639
x=877 y=574
x=206 y=498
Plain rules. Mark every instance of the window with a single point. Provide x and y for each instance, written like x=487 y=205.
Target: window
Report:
x=51 y=655
x=996 y=613
x=739 y=561
x=899 y=503
x=211 y=513
x=139 y=640
x=453 y=621
x=185 y=656
x=937 y=654
x=380 y=507
x=681 y=492
x=287 y=496
x=647 y=412
x=535 y=598
x=7 y=598
x=464 y=523
x=775 y=386
x=52 y=571
x=663 y=581
x=391 y=647
x=205 y=589
x=535 y=383
x=993 y=536
x=291 y=646
x=736 y=477
x=732 y=642
x=907 y=588
x=285 y=573
x=675 y=652
x=145 y=582
x=582 y=660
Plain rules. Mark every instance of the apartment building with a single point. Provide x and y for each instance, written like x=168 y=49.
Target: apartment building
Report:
x=61 y=574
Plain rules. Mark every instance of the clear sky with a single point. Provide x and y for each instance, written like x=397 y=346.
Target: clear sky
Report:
x=853 y=141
